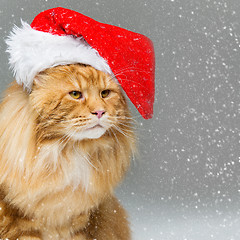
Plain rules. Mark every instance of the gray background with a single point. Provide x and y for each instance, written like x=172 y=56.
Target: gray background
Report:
x=185 y=183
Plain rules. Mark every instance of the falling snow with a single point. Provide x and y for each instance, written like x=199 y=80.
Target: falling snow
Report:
x=186 y=184
x=194 y=138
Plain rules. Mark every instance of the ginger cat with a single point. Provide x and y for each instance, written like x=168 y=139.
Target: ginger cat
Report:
x=63 y=148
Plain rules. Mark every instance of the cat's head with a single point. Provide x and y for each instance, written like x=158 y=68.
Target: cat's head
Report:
x=78 y=102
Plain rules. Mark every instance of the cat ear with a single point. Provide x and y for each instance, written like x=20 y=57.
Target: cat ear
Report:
x=37 y=80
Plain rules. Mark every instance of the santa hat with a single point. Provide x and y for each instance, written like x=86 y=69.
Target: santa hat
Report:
x=61 y=36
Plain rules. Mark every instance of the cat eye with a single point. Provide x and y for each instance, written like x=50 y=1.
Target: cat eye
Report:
x=105 y=93
x=76 y=94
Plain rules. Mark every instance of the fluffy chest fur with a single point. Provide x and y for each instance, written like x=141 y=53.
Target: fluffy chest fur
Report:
x=71 y=181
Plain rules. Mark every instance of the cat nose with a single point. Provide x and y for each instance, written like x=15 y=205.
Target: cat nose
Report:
x=99 y=113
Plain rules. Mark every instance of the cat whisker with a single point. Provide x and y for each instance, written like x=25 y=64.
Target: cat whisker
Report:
x=123 y=119
x=133 y=118
x=123 y=132
x=76 y=120
x=122 y=123
x=84 y=157
x=63 y=139
x=129 y=69
x=127 y=125
x=114 y=134
x=135 y=82
x=124 y=70
x=77 y=124
x=89 y=162
x=134 y=125
x=70 y=135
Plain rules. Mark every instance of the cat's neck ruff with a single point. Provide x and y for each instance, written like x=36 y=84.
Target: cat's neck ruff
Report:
x=69 y=161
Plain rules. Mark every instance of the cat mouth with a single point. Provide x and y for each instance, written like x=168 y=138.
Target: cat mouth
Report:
x=97 y=126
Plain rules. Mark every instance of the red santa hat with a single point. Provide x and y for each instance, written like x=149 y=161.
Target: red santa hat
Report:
x=61 y=36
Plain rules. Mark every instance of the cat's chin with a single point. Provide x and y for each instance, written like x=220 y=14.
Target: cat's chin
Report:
x=90 y=133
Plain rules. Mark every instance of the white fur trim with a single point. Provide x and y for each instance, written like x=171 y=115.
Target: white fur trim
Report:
x=33 y=51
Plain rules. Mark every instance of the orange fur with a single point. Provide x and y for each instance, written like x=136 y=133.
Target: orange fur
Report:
x=55 y=183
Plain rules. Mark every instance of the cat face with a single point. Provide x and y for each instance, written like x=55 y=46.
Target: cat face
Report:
x=77 y=102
